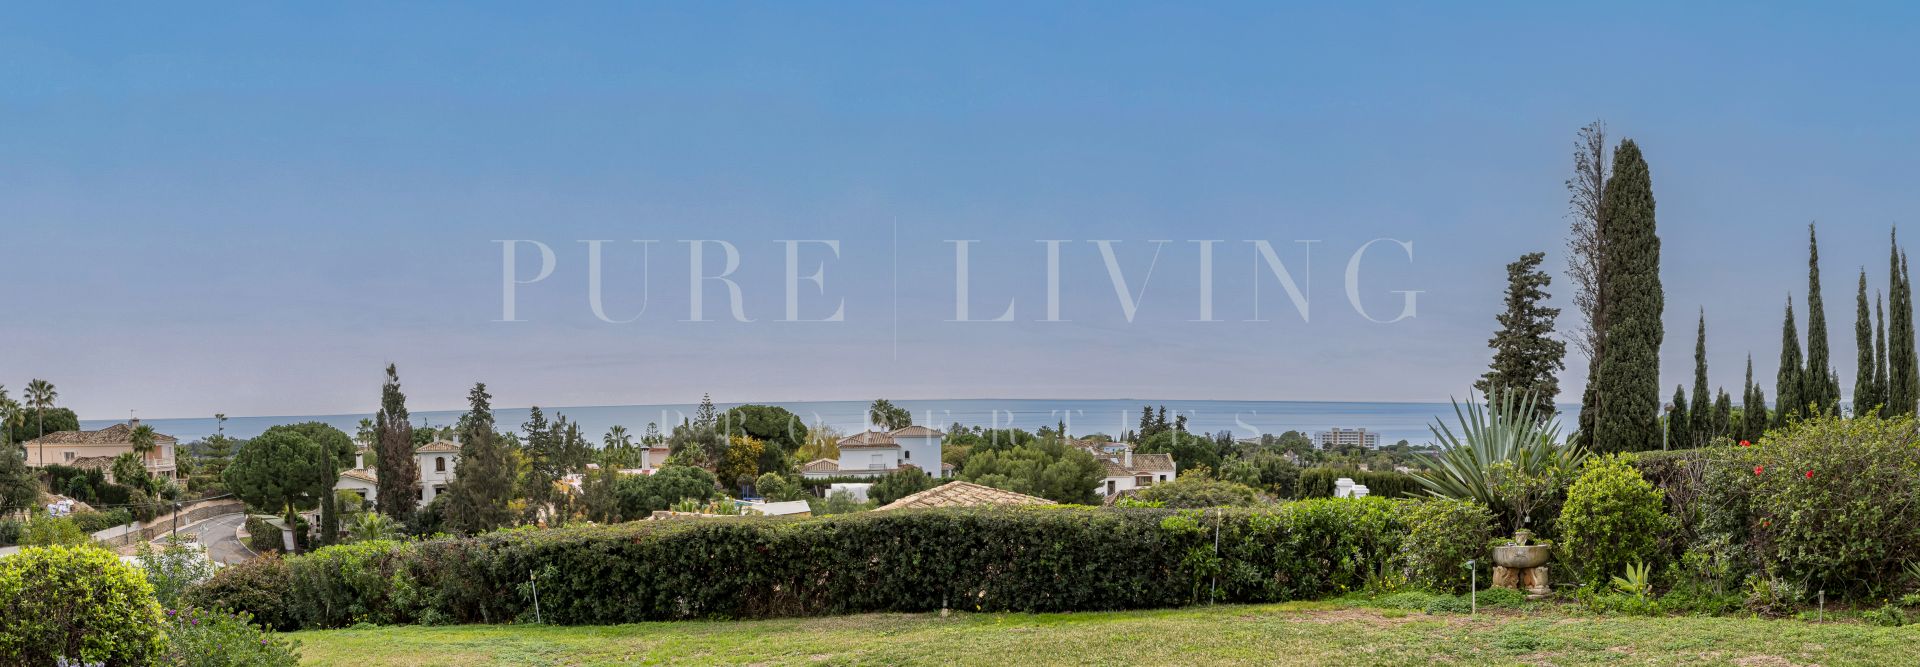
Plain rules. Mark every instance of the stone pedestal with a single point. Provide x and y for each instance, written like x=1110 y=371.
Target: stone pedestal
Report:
x=1530 y=580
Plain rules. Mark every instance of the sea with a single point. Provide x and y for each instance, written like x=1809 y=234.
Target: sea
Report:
x=1244 y=419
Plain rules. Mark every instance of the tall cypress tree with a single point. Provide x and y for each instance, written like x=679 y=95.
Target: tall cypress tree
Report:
x=398 y=492
x=1679 y=424
x=1903 y=378
x=1525 y=354
x=1818 y=388
x=1722 y=417
x=477 y=500
x=1753 y=409
x=1864 y=398
x=1627 y=392
x=1787 y=384
x=1880 y=351
x=1701 y=409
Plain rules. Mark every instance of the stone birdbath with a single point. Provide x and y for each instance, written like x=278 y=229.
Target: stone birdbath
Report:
x=1522 y=566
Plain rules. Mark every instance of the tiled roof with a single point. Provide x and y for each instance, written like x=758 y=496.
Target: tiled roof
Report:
x=117 y=434
x=361 y=474
x=915 y=431
x=962 y=494
x=821 y=465
x=1142 y=464
x=867 y=439
x=93 y=462
x=438 y=447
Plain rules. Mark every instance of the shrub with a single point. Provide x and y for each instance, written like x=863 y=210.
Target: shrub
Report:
x=1319 y=483
x=986 y=559
x=78 y=602
x=1613 y=518
x=90 y=521
x=342 y=585
x=173 y=568
x=1832 y=502
x=1197 y=490
x=263 y=537
x=1505 y=431
x=261 y=587
x=10 y=532
x=46 y=531
x=1442 y=535
x=899 y=484
x=201 y=638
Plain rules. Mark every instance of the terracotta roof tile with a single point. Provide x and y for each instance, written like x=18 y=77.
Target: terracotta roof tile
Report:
x=117 y=434
x=821 y=465
x=438 y=447
x=962 y=494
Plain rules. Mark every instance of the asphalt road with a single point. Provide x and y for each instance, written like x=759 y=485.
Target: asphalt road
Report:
x=217 y=534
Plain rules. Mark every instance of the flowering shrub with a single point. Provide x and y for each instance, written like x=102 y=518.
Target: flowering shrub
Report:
x=79 y=602
x=1835 y=503
x=199 y=638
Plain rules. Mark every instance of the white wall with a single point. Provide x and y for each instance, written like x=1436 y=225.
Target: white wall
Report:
x=922 y=451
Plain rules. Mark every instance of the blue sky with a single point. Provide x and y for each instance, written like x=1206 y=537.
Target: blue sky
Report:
x=252 y=209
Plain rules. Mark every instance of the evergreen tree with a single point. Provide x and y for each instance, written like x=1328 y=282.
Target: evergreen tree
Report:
x=1818 y=386
x=1525 y=354
x=1722 y=418
x=477 y=500
x=18 y=488
x=1903 y=378
x=1627 y=395
x=542 y=451
x=1787 y=384
x=1880 y=352
x=1701 y=409
x=1864 y=391
x=1753 y=408
x=1679 y=424
x=398 y=470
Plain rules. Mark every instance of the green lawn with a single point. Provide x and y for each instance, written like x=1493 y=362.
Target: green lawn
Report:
x=1294 y=634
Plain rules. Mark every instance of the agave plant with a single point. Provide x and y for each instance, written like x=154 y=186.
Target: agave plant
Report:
x=1495 y=444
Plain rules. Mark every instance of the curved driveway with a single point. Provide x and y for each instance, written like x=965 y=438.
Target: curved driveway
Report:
x=217 y=534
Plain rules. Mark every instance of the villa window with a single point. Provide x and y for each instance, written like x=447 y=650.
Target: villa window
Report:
x=439 y=464
x=1110 y=488
x=69 y=457
x=908 y=454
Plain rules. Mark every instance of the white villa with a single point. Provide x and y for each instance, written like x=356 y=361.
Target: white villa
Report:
x=878 y=453
x=97 y=449
x=437 y=462
x=1126 y=470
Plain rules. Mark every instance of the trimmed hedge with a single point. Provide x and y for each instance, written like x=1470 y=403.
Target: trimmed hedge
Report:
x=1318 y=483
x=981 y=559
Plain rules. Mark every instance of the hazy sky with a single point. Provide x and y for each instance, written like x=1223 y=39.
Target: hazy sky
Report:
x=252 y=209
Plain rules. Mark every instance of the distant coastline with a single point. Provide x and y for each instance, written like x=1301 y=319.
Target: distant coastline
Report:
x=1393 y=420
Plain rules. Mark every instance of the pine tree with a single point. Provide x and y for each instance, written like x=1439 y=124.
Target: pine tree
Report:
x=1702 y=408
x=398 y=493
x=477 y=500
x=1818 y=386
x=1864 y=398
x=1627 y=395
x=1525 y=354
x=1787 y=384
x=1722 y=418
x=542 y=451
x=1679 y=425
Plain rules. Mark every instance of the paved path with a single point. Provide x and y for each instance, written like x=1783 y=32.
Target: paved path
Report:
x=217 y=534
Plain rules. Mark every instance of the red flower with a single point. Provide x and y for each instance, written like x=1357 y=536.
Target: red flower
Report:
x=1809 y=474
x=1759 y=469
x=1744 y=443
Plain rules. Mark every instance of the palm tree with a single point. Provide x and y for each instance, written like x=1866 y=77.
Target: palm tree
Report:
x=617 y=438
x=40 y=395
x=9 y=411
x=884 y=414
x=143 y=444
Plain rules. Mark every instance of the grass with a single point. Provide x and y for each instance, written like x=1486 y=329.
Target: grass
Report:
x=1321 y=633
